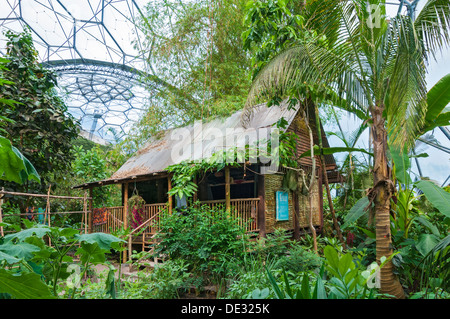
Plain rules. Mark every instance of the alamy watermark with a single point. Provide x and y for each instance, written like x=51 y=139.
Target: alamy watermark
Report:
x=227 y=145
x=375 y=15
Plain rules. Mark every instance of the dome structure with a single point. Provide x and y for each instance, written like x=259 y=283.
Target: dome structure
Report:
x=94 y=47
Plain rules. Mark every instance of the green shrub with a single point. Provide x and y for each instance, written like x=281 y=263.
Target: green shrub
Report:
x=275 y=244
x=32 y=269
x=204 y=238
x=168 y=278
x=299 y=260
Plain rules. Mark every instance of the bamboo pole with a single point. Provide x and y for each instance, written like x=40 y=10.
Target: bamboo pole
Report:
x=261 y=219
x=47 y=208
x=3 y=192
x=169 y=188
x=91 y=209
x=125 y=214
x=85 y=212
x=1 y=213
x=227 y=189
x=47 y=212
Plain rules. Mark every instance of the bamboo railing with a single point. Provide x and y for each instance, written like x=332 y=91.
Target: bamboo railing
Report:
x=243 y=209
x=146 y=237
x=114 y=221
x=150 y=211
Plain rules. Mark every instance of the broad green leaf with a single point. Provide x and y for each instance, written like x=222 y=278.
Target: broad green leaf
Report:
x=10 y=260
x=345 y=264
x=105 y=241
x=305 y=289
x=442 y=119
x=260 y=294
x=68 y=232
x=19 y=250
x=338 y=288
x=426 y=243
x=438 y=197
x=369 y=233
x=402 y=164
x=24 y=286
x=91 y=253
x=319 y=289
x=110 y=286
x=438 y=97
x=39 y=231
x=429 y=225
x=332 y=257
x=14 y=166
x=356 y=211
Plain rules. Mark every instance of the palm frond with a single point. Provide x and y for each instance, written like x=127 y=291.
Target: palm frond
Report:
x=406 y=92
x=339 y=64
x=437 y=264
x=309 y=64
x=323 y=16
x=433 y=25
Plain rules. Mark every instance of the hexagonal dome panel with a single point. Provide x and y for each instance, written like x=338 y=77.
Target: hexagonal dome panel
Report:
x=94 y=47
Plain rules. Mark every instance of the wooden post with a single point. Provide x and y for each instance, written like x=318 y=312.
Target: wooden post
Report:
x=85 y=212
x=91 y=209
x=227 y=189
x=125 y=214
x=1 y=213
x=169 y=188
x=296 y=220
x=47 y=209
x=48 y=212
x=261 y=207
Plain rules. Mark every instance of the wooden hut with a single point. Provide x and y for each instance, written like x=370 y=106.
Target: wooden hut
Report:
x=246 y=191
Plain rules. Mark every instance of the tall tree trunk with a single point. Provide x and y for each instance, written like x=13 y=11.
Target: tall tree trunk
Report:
x=325 y=176
x=312 y=182
x=381 y=194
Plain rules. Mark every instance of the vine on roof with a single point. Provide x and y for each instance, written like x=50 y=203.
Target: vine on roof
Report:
x=184 y=173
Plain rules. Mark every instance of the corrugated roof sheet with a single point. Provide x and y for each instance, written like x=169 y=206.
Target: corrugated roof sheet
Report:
x=177 y=144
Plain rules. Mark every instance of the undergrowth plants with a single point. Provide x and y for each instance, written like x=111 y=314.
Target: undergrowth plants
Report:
x=38 y=261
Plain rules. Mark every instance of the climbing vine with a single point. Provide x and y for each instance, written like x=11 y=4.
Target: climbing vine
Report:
x=184 y=173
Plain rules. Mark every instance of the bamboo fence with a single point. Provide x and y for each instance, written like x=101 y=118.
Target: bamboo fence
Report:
x=47 y=213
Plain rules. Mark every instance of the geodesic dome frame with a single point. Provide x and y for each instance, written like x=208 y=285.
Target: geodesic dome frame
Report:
x=94 y=47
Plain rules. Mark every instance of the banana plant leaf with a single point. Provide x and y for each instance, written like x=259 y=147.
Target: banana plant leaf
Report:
x=438 y=97
x=14 y=166
x=357 y=211
x=437 y=196
x=402 y=164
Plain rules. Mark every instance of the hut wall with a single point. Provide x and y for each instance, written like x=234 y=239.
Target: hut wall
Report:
x=272 y=184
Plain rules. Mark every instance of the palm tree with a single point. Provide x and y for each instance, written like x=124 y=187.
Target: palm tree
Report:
x=373 y=66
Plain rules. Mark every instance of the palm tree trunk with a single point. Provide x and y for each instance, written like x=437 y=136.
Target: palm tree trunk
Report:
x=381 y=194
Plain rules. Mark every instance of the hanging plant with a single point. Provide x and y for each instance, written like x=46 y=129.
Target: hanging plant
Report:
x=136 y=213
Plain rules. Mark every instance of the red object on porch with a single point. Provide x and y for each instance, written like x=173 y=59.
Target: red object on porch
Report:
x=99 y=216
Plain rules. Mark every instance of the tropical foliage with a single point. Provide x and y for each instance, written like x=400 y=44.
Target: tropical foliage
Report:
x=39 y=125
x=368 y=65
x=31 y=269
x=385 y=231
